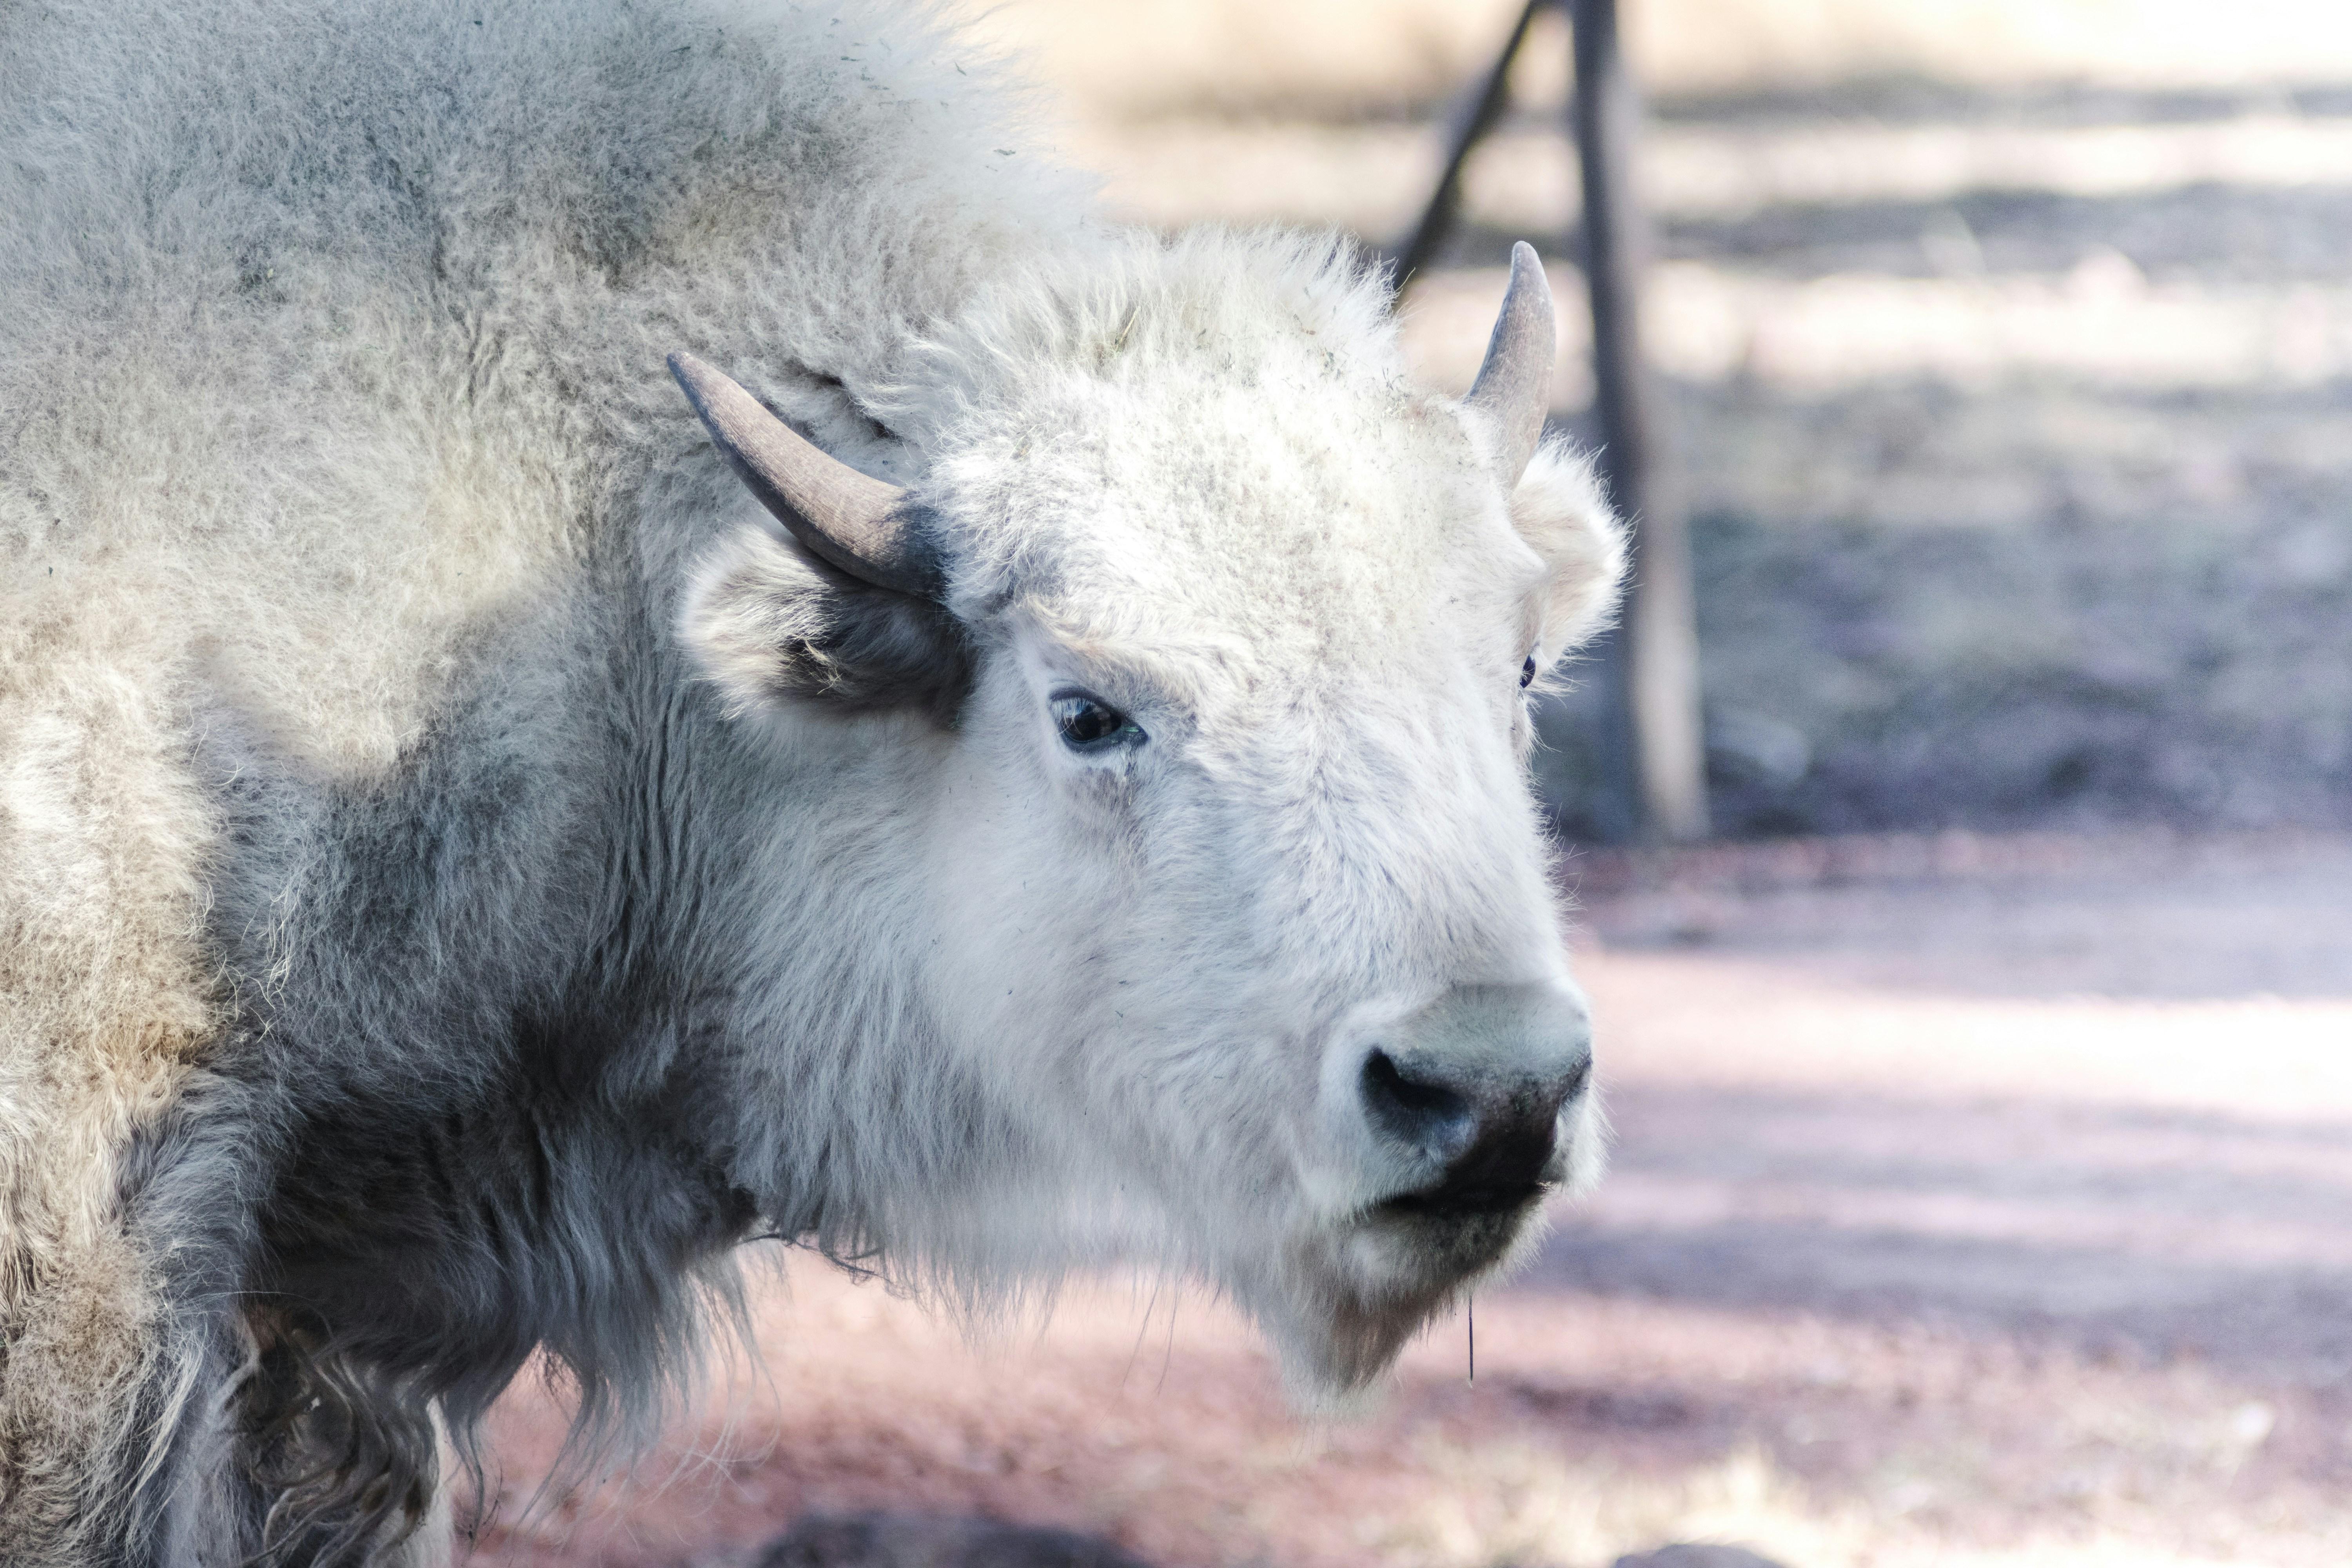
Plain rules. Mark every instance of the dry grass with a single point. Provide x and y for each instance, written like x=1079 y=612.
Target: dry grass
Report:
x=1373 y=177
x=1147 y=58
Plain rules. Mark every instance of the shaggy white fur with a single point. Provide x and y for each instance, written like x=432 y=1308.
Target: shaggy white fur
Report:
x=446 y=829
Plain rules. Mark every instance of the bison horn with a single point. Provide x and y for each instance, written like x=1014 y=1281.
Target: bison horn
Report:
x=857 y=523
x=1513 y=386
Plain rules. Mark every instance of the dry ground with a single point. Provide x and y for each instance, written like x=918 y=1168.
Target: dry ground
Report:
x=1975 y=1200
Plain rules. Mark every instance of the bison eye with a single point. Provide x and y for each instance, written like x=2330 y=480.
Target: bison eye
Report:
x=1090 y=724
x=1527 y=673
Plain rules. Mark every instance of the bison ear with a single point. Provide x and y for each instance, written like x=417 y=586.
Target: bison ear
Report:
x=769 y=623
x=1559 y=509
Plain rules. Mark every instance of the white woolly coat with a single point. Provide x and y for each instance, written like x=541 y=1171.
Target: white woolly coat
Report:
x=331 y=347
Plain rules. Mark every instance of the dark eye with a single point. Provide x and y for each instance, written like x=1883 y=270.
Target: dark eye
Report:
x=1528 y=672
x=1089 y=724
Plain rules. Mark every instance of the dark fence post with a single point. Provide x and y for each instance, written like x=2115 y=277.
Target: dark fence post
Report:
x=1656 y=652
x=1471 y=120
x=1654 y=746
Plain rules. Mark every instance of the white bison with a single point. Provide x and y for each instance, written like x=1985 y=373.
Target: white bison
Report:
x=1027 y=774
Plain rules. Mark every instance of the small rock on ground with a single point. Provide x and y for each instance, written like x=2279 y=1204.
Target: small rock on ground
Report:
x=1690 y=1554
x=926 y=1541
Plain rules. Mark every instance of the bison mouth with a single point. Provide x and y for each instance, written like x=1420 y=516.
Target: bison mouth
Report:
x=1362 y=1288
x=1469 y=1217
x=1440 y=1205
x=1499 y=1175
x=1440 y=1239
x=1359 y=1297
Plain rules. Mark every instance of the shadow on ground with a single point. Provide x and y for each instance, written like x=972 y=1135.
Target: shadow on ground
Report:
x=2143 y=1234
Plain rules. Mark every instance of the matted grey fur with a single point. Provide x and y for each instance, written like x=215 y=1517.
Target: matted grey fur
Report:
x=465 y=867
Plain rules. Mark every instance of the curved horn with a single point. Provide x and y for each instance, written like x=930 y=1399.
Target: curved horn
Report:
x=855 y=522
x=1513 y=386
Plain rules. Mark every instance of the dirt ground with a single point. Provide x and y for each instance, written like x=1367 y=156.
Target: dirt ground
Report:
x=1976 y=1199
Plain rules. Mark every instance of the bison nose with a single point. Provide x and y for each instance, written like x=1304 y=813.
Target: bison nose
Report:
x=1467 y=1095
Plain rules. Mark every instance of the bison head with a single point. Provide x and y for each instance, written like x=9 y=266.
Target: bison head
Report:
x=1147 y=866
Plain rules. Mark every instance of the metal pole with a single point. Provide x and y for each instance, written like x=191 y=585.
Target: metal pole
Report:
x=1657 y=647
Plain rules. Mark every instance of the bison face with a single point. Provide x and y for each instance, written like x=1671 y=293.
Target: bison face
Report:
x=1206 y=914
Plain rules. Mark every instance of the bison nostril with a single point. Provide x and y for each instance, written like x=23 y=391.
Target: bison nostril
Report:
x=1464 y=1098
x=1429 y=1116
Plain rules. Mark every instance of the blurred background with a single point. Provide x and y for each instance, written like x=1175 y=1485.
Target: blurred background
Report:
x=2007 y=345
x=1983 y=1188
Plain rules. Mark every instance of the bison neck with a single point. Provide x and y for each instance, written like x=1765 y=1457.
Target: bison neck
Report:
x=487 y=1057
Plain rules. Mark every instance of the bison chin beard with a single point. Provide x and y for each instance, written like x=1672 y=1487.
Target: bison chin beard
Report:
x=1351 y=1294
x=1350 y=1299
